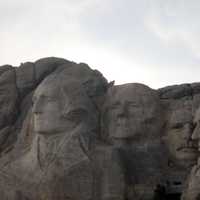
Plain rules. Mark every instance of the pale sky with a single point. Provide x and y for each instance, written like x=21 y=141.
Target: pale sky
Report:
x=155 y=42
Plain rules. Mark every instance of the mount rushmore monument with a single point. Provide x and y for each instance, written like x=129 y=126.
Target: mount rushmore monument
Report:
x=68 y=134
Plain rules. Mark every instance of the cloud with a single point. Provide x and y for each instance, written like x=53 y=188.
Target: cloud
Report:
x=142 y=31
x=38 y=28
x=176 y=22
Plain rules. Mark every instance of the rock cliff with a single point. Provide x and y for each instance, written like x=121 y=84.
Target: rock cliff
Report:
x=68 y=134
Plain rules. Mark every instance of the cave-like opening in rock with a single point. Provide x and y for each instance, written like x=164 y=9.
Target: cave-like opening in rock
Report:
x=173 y=196
x=163 y=193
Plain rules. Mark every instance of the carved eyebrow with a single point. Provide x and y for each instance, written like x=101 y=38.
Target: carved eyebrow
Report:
x=44 y=96
x=116 y=103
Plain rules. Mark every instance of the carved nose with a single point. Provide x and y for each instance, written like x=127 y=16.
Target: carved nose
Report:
x=187 y=132
x=37 y=106
x=196 y=132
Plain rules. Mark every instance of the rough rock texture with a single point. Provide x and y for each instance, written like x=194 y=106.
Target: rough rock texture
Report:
x=67 y=134
x=181 y=103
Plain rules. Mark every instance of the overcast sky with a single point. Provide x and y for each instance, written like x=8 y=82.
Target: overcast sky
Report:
x=155 y=42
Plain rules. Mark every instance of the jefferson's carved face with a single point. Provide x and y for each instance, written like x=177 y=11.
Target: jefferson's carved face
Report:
x=133 y=111
x=179 y=132
x=56 y=110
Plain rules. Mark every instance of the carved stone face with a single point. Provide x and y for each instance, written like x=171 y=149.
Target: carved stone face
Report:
x=133 y=111
x=179 y=132
x=57 y=109
x=47 y=110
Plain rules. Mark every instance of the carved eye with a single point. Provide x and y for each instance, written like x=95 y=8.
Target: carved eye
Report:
x=177 y=126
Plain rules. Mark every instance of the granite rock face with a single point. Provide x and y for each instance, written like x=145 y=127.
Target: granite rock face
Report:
x=68 y=134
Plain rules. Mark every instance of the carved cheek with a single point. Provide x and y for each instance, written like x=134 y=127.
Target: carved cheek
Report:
x=174 y=138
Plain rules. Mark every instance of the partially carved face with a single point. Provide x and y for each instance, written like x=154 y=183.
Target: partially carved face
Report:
x=133 y=111
x=179 y=132
x=57 y=110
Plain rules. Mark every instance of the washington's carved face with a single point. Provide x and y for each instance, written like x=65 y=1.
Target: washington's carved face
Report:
x=179 y=133
x=133 y=111
x=56 y=110
x=47 y=110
